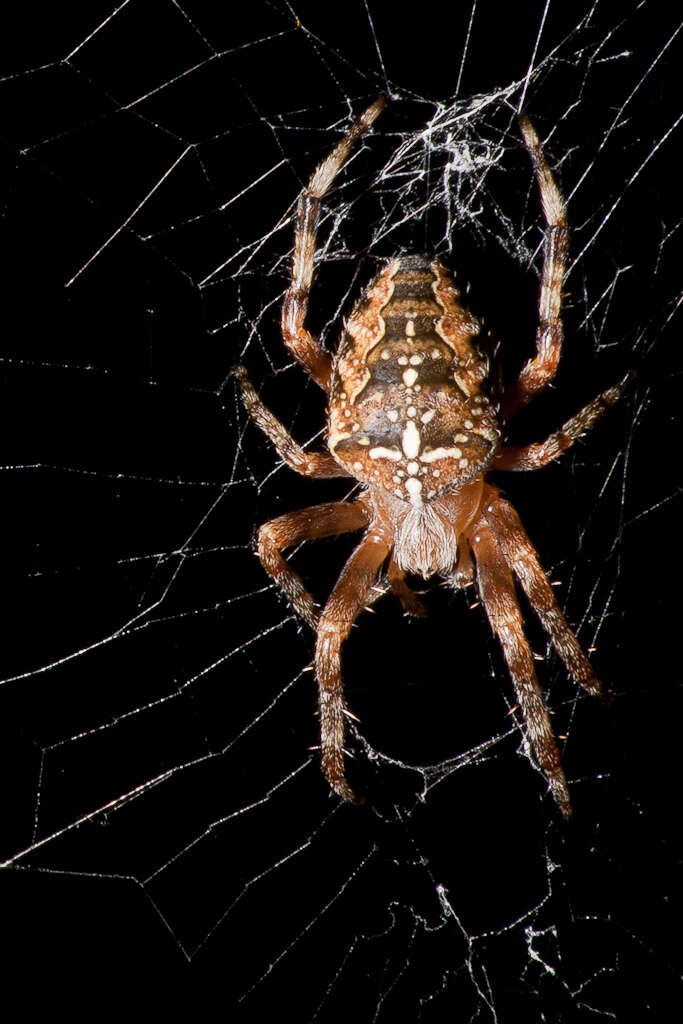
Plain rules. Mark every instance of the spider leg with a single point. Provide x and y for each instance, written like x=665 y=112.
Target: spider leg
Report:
x=520 y=555
x=534 y=456
x=305 y=524
x=346 y=601
x=497 y=592
x=315 y=464
x=540 y=370
x=412 y=605
x=300 y=342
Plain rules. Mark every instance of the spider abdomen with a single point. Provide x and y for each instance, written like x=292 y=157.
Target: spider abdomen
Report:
x=410 y=408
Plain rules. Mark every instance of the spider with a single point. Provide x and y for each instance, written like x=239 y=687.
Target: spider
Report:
x=415 y=418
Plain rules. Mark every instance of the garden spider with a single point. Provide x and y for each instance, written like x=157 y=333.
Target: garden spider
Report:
x=413 y=416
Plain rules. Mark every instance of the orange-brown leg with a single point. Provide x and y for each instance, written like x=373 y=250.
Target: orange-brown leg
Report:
x=520 y=555
x=534 y=456
x=497 y=592
x=540 y=370
x=300 y=342
x=345 y=603
x=305 y=524
x=316 y=464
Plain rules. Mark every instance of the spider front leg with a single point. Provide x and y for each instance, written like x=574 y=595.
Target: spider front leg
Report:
x=497 y=592
x=307 y=524
x=540 y=370
x=520 y=555
x=300 y=342
x=346 y=601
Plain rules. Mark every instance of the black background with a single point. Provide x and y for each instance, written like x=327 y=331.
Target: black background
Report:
x=142 y=641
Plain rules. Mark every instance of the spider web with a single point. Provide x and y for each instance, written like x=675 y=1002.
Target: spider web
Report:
x=164 y=815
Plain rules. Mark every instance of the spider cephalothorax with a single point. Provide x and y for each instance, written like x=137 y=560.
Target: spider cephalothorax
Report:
x=414 y=418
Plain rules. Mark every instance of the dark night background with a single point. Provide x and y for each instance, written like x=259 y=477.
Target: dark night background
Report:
x=164 y=822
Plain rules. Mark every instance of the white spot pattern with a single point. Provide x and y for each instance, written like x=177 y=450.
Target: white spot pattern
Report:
x=410 y=440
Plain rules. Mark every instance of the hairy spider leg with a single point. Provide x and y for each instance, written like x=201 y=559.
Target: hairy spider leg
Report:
x=348 y=598
x=534 y=456
x=540 y=370
x=313 y=464
x=306 y=524
x=497 y=592
x=298 y=339
x=520 y=555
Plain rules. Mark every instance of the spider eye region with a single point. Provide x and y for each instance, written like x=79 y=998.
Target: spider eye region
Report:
x=410 y=408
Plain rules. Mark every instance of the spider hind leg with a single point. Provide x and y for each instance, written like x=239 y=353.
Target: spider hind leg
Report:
x=298 y=339
x=537 y=373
